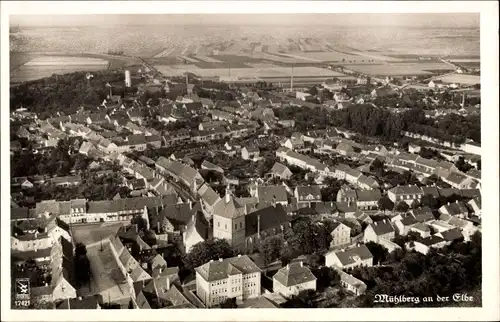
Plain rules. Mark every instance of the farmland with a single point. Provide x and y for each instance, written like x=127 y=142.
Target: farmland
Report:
x=461 y=79
x=401 y=69
x=266 y=72
x=44 y=66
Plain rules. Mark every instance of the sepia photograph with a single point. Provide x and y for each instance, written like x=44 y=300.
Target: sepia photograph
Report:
x=190 y=161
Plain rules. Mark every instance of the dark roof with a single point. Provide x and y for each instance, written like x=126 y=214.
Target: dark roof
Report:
x=347 y=257
x=431 y=240
x=294 y=274
x=86 y=303
x=267 y=194
x=180 y=214
x=304 y=191
x=409 y=220
x=368 y=195
x=433 y=191
x=423 y=214
x=452 y=234
x=270 y=217
x=19 y=213
x=382 y=227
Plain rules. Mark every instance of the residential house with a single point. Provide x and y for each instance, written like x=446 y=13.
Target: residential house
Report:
x=271 y=195
x=292 y=279
x=237 y=277
x=280 y=171
x=459 y=181
x=451 y=235
x=210 y=166
x=422 y=229
x=414 y=148
x=424 y=245
x=367 y=199
x=344 y=149
x=457 y=209
x=408 y=194
x=341 y=235
x=423 y=214
x=405 y=224
x=351 y=283
x=475 y=205
x=250 y=153
x=365 y=182
x=349 y=258
x=307 y=195
x=379 y=230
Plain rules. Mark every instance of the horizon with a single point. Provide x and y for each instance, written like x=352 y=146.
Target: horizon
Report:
x=346 y=20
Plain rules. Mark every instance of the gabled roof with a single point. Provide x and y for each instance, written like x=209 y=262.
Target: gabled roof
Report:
x=423 y=214
x=406 y=190
x=455 y=208
x=304 y=191
x=227 y=207
x=431 y=240
x=382 y=227
x=221 y=269
x=456 y=177
x=270 y=217
x=368 y=195
x=349 y=256
x=422 y=227
x=294 y=274
x=208 y=195
x=279 y=169
x=408 y=220
x=452 y=234
x=268 y=194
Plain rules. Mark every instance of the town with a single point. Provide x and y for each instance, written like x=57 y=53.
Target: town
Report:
x=132 y=189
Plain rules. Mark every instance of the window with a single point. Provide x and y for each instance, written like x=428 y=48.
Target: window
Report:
x=241 y=224
x=225 y=226
x=235 y=226
x=218 y=224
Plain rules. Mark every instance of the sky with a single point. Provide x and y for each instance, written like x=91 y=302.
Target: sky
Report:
x=430 y=20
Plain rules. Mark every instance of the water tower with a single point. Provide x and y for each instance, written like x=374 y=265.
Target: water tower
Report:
x=128 y=79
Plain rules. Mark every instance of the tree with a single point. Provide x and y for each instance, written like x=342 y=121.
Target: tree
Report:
x=229 y=303
x=304 y=299
x=271 y=248
x=326 y=277
x=385 y=203
x=313 y=91
x=82 y=265
x=379 y=252
x=210 y=249
x=401 y=207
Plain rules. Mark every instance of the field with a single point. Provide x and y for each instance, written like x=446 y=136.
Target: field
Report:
x=401 y=69
x=267 y=72
x=65 y=61
x=461 y=79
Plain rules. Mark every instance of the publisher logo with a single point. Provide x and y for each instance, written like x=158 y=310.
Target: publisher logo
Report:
x=22 y=289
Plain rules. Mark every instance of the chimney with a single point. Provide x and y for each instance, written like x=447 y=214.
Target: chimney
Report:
x=239 y=255
x=220 y=259
x=301 y=264
x=258 y=225
x=80 y=298
x=288 y=266
x=448 y=203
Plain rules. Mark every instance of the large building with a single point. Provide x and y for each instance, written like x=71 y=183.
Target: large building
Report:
x=243 y=226
x=237 y=277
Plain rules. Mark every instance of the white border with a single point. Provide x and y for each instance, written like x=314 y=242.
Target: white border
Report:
x=489 y=83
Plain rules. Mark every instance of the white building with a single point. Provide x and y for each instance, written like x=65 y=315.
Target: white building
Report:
x=350 y=258
x=292 y=279
x=237 y=277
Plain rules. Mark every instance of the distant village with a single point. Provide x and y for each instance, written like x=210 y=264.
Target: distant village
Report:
x=202 y=175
